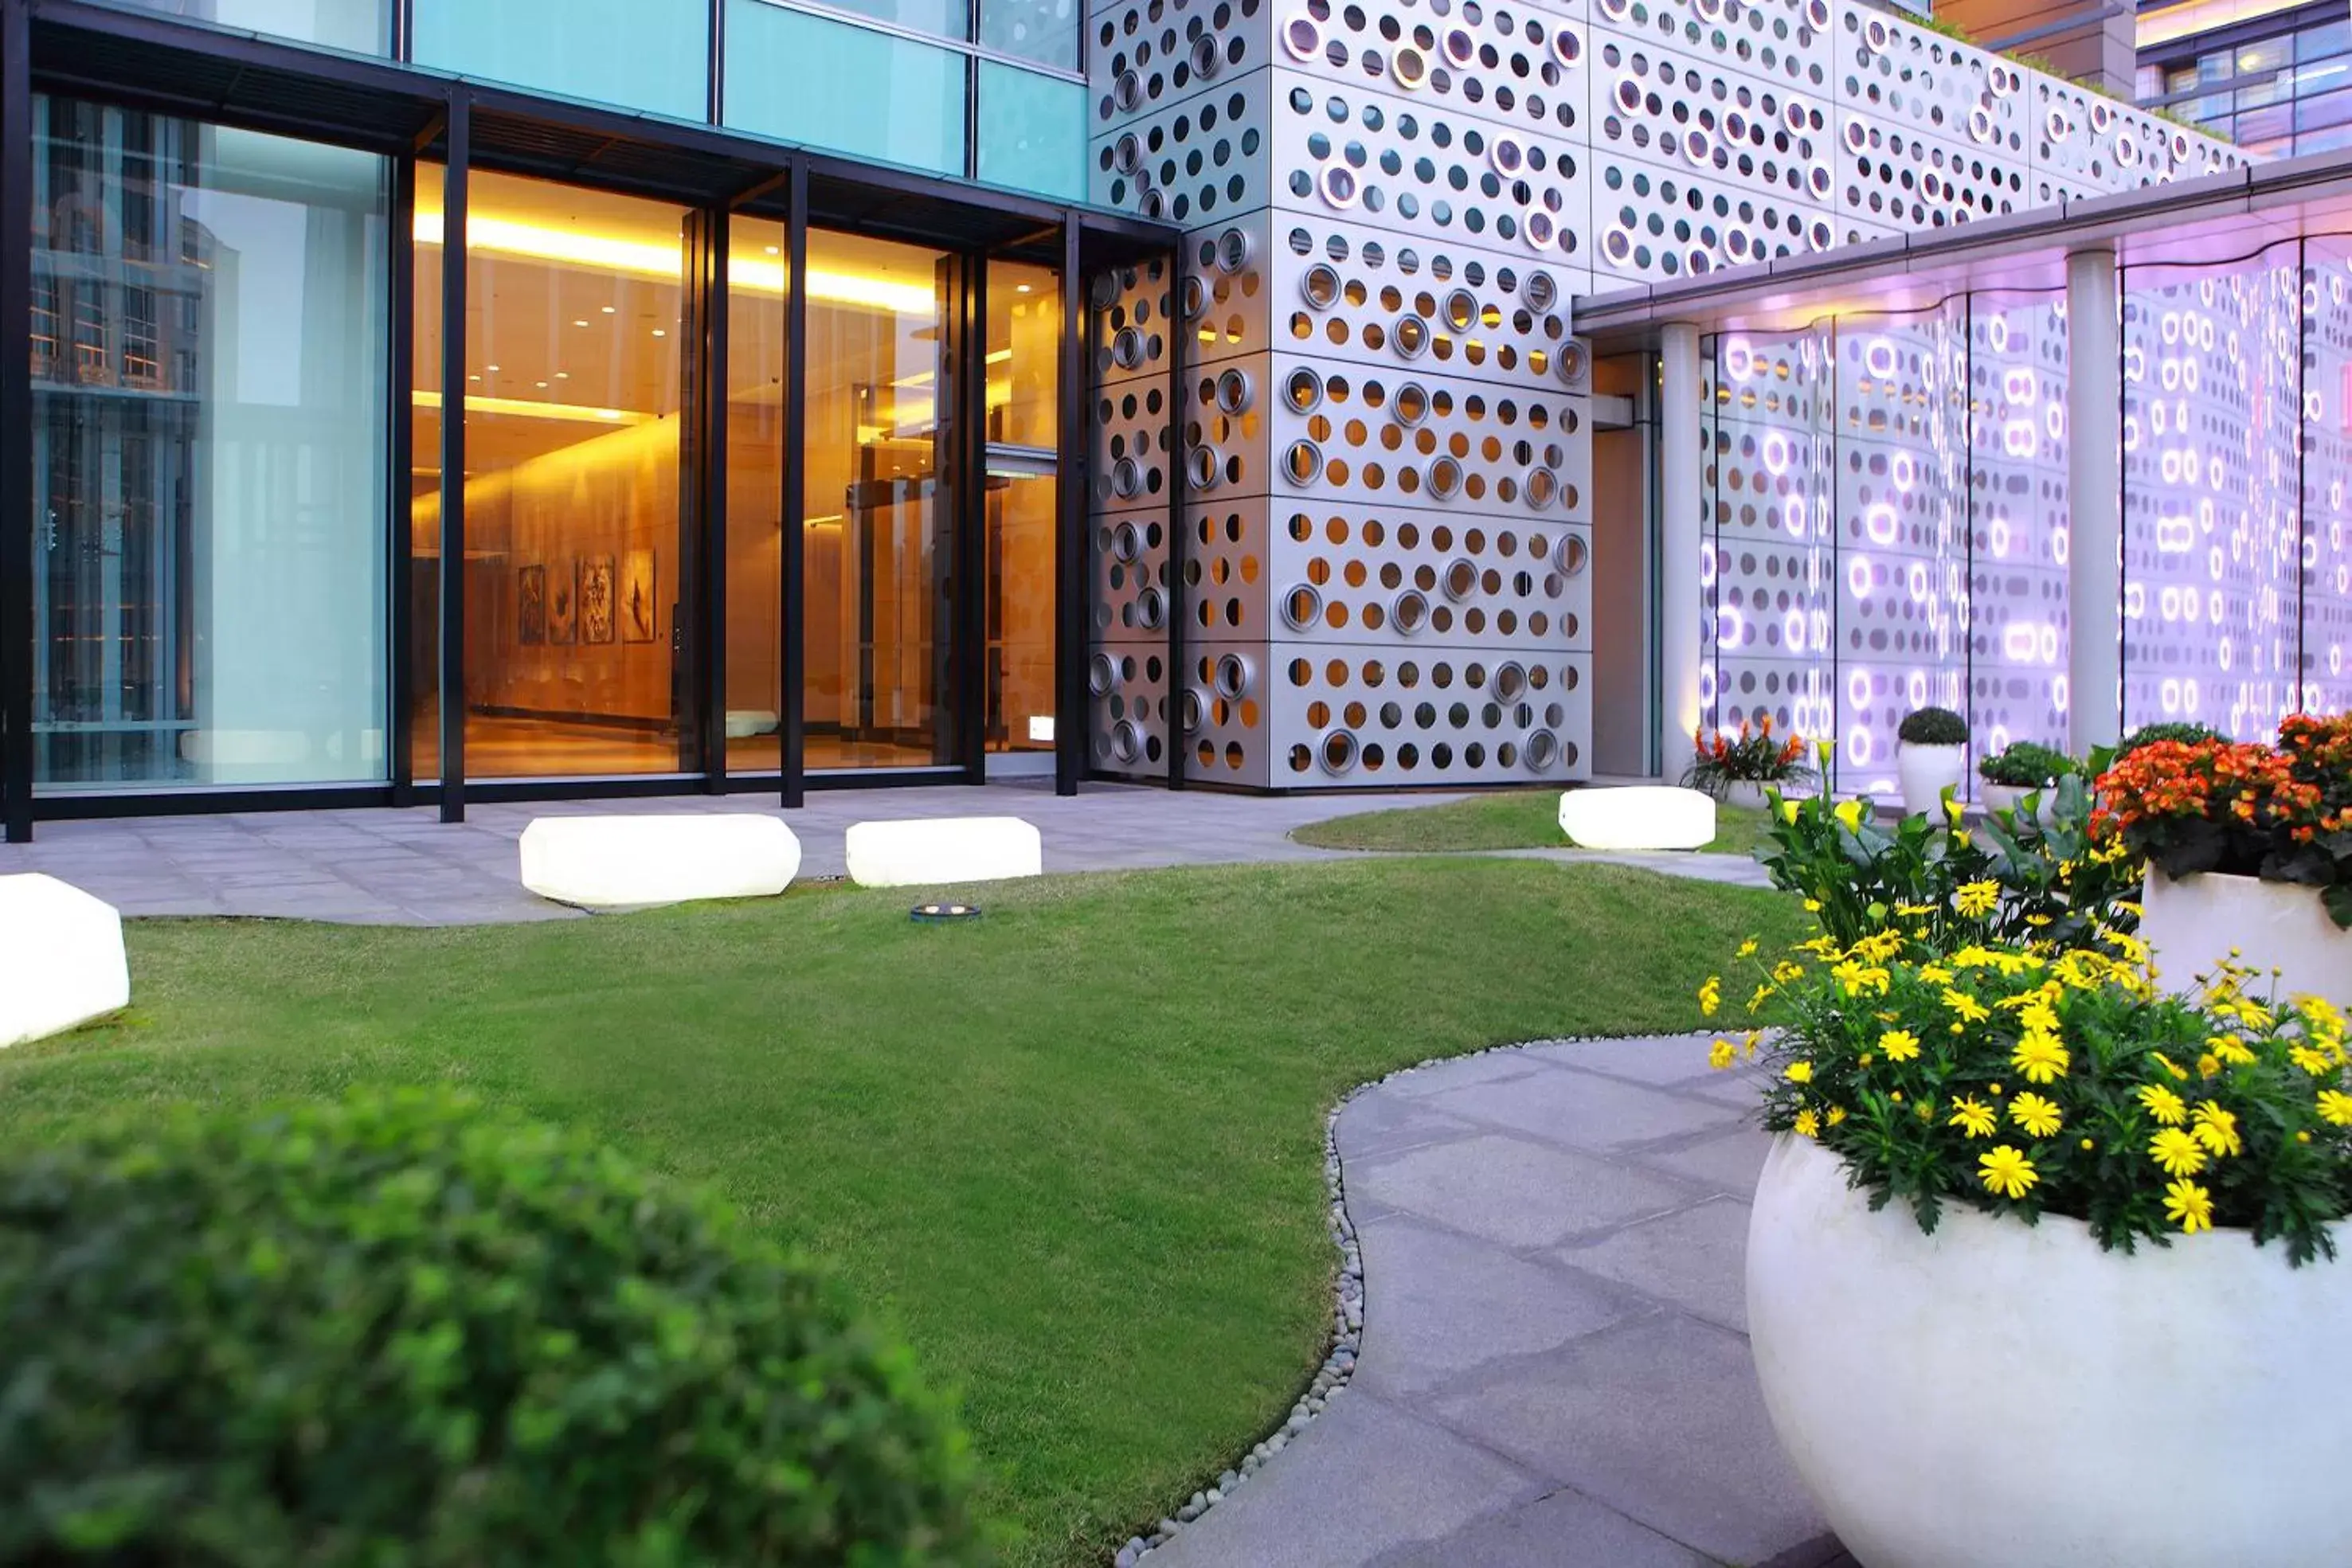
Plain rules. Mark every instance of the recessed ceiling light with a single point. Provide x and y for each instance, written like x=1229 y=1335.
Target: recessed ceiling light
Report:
x=472 y=378
x=492 y=369
x=608 y=309
x=1019 y=288
x=774 y=251
x=540 y=384
x=563 y=375
x=580 y=323
x=659 y=332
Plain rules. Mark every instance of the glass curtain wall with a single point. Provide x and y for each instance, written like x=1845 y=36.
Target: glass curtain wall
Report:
x=1025 y=331
x=209 y=325
x=756 y=347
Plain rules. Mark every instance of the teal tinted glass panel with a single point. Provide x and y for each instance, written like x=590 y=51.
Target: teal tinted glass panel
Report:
x=1045 y=31
x=941 y=18
x=832 y=84
x=361 y=26
x=1032 y=132
x=653 y=55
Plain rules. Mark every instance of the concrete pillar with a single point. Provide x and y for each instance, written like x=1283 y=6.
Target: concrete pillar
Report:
x=1682 y=516
x=2094 y=502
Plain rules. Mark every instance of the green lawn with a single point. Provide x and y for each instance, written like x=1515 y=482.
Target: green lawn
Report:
x=1073 y=1150
x=1516 y=819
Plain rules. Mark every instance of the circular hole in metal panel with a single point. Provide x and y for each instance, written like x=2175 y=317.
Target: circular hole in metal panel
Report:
x=1125 y=741
x=1196 y=296
x=1542 y=488
x=1575 y=555
x=1462 y=310
x=1125 y=477
x=1541 y=747
x=1445 y=479
x=1303 y=390
x=1319 y=284
x=1339 y=186
x=1540 y=291
x=1234 y=248
x=1302 y=608
x=1195 y=709
x=1461 y=578
x=1151 y=609
x=1303 y=461
x=1302 y=37
x=1126 y=541
x=1410 y=336
x=1409 y=612
x=1207 y=56
x=1338 y=752
x=1102 y=674
x=1409 y=69
x=1235 y=391
x=1411 y=404
x=1234 y=675
x=1127 y=348
x=1510 y=680
x=1203 y=466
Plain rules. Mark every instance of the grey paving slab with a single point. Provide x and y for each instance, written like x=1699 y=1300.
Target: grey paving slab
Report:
x=1729 y=1163
x=1514 y=1190
x=1583 y=1111
x=1676 y=1257
x=1563 y=1530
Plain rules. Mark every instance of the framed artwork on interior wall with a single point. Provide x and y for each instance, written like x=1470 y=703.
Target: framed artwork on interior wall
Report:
x=596 y=599
x=563 y=604
x=531 y=606
x=637 y=613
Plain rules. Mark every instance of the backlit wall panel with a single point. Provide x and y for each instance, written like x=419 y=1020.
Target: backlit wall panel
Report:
x=2018 y=625
x=2327 y=547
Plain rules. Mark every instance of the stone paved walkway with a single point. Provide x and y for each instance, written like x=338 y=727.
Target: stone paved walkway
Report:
x=1555 y=1370
x=406 y=867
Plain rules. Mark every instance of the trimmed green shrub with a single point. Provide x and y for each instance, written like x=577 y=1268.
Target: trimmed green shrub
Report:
x=1933 y=726
x=401 y=1331
x=2149 y=734
x=2026 y=766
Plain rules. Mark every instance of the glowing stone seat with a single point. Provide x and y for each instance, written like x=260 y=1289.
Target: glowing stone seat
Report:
x=604 y=862
x=1638 y=817
x=62 y=959
x=936 y=851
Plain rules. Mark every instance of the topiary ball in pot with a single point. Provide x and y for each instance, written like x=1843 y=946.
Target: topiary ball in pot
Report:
x=405 y=1332
x=1929 y=760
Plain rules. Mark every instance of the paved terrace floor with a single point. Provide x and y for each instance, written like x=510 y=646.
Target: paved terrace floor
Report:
x=408 y=868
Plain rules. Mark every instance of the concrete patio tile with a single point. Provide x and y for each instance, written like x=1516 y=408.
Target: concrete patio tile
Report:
x=1437 y=1304
x=1583 y=1110
x=1659 y=1061
x=1659 y=1418
x=1730 y=1163
x=1511 y=1190
x=1443 y=1077
x=1362 y=1479
x=1677 y=1258
x=1379 y=1122
x=1564 y=1530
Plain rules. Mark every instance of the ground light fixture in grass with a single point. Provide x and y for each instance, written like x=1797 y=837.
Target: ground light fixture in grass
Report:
x=1504 y=819
x=1073 y=1156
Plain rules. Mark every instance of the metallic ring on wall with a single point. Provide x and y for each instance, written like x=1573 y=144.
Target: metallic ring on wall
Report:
x=2054 y=124
x=1541 y=487
x=1152 y=203
x=1235 y=392
x=1820 y=181
x=1234 y=675
x=1234 y=248
x=1794 y=114
x=1981 y=124
x=1126 y=740
x=1409 y=612
x=1876 y=34
x=1195 y=711
x=1196 y=295
x=1319 y=285
x=1103 y=294
x=2003 y=80
x=1127 y=348
x=1510 y=680
x=1629 y=95
x=1817 y=14
x=1127 y=540
x=1567 y=46
x=2102 y=114
x=1151 y=610
x=1506 y=153
x=1615 y=10
x=1821 y=234
x=1339 y=186
x=1857 y=133
x=2126 y=151
x=1540 y=291
x=1208 y=58
x=1302 y=390
x=1617 y=244
x=1126 y=152
x=1302 y=608
x=1462 y=310
x=1126 y=92
x=1338 y=752
x=1541 y=747
x=1460 y=46
x=1302 y=39
x=1409 y=68
x=1540 y=229
x=1303 y=461
x=1445 y=479
x=2180 y=146
x=1697 y=146
x=1203 y=466
x=1102 y=674
x=1411 y=404
x=1575 y=555
x=1461 y=578
x=1127 y=478
x=1573 y=361
x=1410 y=336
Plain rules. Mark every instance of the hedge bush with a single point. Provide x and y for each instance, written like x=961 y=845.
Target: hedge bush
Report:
x=2024 y=764
x=403 y=1332
x=2148 y=735
x=1932 y=726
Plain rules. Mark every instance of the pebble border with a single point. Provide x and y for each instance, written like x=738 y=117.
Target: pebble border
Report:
x=1346 y=1316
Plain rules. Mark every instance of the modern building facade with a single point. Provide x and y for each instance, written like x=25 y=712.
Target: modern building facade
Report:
x=2274 y=78
x=427 y=398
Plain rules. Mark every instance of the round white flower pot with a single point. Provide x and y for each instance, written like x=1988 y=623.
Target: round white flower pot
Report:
x=2190 y=923
x=1745 y=792
x=1999 y=1393
x=1925 y=772
x=2011 y=798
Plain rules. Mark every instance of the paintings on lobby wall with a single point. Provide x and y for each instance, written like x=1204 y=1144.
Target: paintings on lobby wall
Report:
x=530 y=607
x=596 y=599
x=563 y=604
x=636 y=607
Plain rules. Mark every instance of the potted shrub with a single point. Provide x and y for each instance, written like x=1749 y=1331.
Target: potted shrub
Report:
x=2036 y=1265
x=2147 y=735
x=2249 y=849
x=1735 y=771
x=400 y=1329
x=1931 y=759
x=2024 y=769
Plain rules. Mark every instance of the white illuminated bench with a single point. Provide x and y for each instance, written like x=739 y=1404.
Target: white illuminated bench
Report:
x=605 y=863
x=937 y=850
x=61 y=960
x=1638 y=817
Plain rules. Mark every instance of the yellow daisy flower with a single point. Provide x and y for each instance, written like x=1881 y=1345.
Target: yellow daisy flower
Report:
x=1899 y=1044
x=1722 y=1054
x=2039 y=1057
x=1837 y=1114
x=1710 y=996
x=1967 y=1006
x=2189 y=1205
x=2004 y=1170
x=2038 y=1117
x=2335 y=1107
x=2231 y=1048
x=2176 y=1151
x=1978 y=898
x=1747 y=948
x=2218 y=1130
x=1807 y=1125
x=2164 y=1105
x=1798 y=1072
x=1972 y=1117
x=2318 y=1063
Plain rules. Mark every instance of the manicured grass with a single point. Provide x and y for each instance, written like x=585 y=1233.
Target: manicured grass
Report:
x=1073 y=1150
x=1516 y=819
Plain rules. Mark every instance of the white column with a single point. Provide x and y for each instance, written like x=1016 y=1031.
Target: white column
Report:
x=1682 y=515
x=2093 y=503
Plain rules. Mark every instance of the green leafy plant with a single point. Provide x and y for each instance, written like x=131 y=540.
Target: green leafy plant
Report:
x=2149 y=734
x=1933 y=726
x=2060 y=879
x=403 y=1333
x=2023 y=765
x=1753 y=757
x=2025 y=1084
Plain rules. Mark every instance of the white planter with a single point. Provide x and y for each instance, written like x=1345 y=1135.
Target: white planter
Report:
x=1925 y=772
x=1745 y=793
x=2011 y=798
x=2190 y=923
x=1998 y=1392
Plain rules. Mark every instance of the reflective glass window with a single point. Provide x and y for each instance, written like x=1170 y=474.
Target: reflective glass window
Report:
x=823 y=83
x=361 y=26
x=1045 y=31
x=2320 y=42
x=1032 y=131
x=208 y=411
x=940 y=18
x=1025 y=331
x=2326 y=109
x=755 y=499
x=651 y=54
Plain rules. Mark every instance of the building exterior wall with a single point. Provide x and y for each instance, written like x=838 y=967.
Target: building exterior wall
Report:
x=2275 y=79
x=1397 y=205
